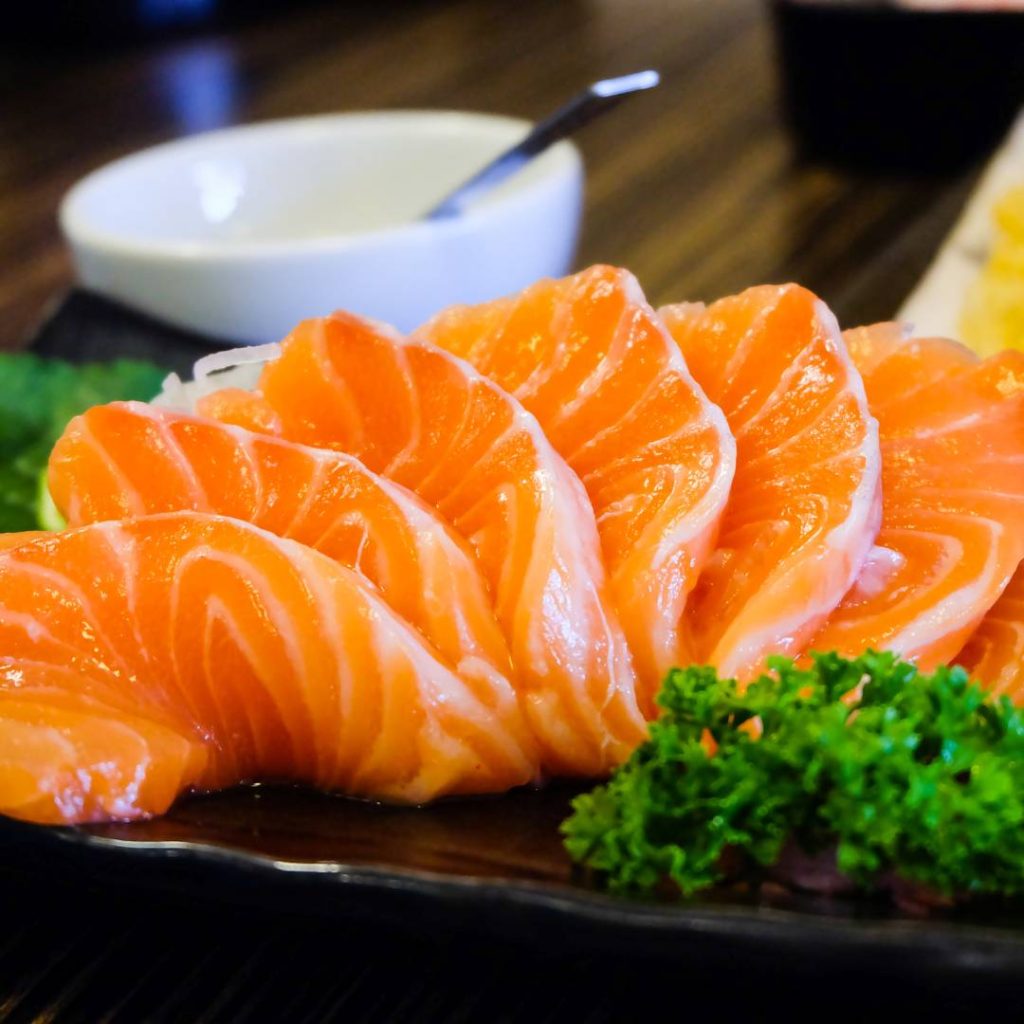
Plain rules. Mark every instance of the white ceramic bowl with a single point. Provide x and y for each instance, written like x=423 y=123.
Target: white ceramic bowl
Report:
x=241 y=233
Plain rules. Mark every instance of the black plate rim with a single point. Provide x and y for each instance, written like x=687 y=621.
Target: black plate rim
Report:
x=964 y=947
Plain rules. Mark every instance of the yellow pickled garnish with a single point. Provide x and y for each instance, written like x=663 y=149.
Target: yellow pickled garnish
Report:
x=993 y=310
x=1009 y=213
x=993 y=313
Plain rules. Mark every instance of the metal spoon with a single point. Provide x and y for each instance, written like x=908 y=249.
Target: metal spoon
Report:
x=594 y=100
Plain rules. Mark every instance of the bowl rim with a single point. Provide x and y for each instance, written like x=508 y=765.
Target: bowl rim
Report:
x=82 y=231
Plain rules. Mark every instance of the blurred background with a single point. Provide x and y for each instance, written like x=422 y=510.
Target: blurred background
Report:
x=828 y=142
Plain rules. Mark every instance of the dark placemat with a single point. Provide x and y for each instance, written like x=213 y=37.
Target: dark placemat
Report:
x=85 y=327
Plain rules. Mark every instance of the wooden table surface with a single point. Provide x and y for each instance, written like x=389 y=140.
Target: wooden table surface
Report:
x=696 y=187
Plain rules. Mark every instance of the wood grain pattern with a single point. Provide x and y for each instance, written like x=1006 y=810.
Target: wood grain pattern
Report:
x=696 y=187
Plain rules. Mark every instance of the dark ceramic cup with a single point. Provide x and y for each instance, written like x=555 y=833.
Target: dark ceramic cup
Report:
x=888 y=86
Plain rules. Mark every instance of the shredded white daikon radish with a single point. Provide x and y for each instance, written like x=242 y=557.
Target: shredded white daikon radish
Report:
x=218 y=362
x=172 y=393
x=233 y=368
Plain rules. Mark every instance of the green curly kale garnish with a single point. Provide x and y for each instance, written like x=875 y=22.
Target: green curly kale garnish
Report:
x=37 y=399
x=919 y=775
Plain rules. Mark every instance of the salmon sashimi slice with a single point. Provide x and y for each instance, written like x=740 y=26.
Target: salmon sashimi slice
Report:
x=67 y=758
x=994 y=652
x=130 y=459
x=238 y=407
x=13 y=540
x=184 y=650
x=952 y=441
x=592 y=361
x=805 y=504
x=430 y=422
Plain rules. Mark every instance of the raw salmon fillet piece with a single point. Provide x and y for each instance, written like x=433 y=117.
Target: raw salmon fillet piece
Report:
x=994 y=652
x=952 y=440
x=429 y=421
x=13 y=540
x=130 y=459
x=237 y=407
x=144 y=657
x=592 y=361
x=805 y=504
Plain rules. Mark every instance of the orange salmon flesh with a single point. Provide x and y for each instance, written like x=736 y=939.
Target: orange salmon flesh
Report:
x=462 y=561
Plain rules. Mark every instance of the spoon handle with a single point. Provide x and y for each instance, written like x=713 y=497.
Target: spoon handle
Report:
x=594 y=100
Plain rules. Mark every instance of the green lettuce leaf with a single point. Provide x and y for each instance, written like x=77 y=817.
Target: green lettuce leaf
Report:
x=37 y=399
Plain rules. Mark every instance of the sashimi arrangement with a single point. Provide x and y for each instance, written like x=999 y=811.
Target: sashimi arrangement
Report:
x=493 y=553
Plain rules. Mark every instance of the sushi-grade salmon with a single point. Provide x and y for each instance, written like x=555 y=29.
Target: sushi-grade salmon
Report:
x=805 y=503
x=239 y=408
x=994 y=652
x=592 y=361
x=144 y=657
x=130 y=459
x=430 y=422
x=952 y=442
x=13 y=540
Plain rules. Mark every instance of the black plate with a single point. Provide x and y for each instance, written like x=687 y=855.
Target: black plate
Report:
x=494 y=866
x=481 y=865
